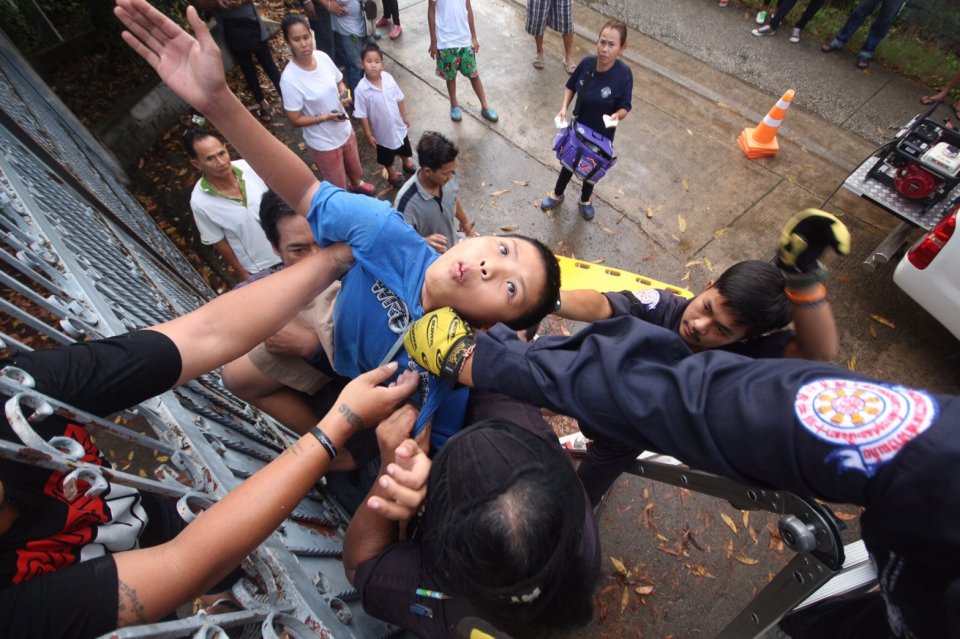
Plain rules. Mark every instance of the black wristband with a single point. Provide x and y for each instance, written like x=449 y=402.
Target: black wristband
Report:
x=324 y=441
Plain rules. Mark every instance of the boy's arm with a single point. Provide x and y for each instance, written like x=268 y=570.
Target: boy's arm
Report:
x=465 y=225
x=193 y=69
x=365 y=123
x=403 y=113
x=432 y=24
x=584 y=305
x=475 y=43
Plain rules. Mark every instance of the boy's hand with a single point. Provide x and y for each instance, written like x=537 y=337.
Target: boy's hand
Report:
x=476 y=45
x=438 y=241
x=432 y=50
x=440 y=342
x=405 y=483
x=806 y=236
x=467 y=228
x=372 y=141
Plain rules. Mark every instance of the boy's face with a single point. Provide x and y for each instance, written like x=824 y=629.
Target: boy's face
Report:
x=372 y=64
x=707 y=323
x=486 y=279
x=296 y=239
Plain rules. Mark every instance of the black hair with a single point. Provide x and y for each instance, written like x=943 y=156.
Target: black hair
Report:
x=368 y=47
x=435 y=149
x=190 y=137
x=753 y=291
x=504 y=523
x=272 y=210
x=289 y=20
x=546 y=303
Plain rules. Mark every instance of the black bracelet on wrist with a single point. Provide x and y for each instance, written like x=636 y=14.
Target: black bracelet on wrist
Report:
x=324 y=441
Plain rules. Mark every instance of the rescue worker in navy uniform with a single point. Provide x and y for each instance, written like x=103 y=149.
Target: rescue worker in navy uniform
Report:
x=806 y=427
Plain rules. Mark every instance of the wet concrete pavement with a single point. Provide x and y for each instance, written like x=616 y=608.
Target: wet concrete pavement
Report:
x=683 y=204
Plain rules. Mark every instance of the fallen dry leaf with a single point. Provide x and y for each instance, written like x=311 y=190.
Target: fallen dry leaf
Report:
x=749 y=561
x=618 y=565
x=606 y=591
x=745 y=517
x=599 y=260
x=708 y=264
x=753 y=534
x=499 y=192
x=692 y=263
x=606 y=230
x=844 y=516
x=682 y=223
x=873 y=331
x=685 y=184
x=643 y=590
x=509 y=229
x=729 y=548
x=689 y=132
x=624 y=599
x=883 y=320
x=701 y=571
x=852 y=363
x=718 y=234
x=669 y=551
x=729 y=522
x=649 y=212
x=521 y=182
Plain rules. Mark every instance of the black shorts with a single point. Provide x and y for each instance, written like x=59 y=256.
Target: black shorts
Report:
x=385 y=156
x=79 y=601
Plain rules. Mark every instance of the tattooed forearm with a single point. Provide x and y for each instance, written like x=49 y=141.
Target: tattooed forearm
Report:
x=352 y=418
x=129 y=609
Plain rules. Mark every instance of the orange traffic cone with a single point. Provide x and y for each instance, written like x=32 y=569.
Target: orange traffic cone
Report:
x=761 y=142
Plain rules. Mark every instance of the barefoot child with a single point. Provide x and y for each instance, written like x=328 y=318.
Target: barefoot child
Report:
x=379 y=107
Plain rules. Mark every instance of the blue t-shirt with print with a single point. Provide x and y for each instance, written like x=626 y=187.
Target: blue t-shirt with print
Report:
x=607 y=93
x=380 y=296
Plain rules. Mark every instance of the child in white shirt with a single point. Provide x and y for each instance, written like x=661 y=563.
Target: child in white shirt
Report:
x=378 y=104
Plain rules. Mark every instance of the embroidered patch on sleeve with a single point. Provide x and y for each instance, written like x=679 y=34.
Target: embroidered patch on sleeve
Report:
x=868 y=422
x=649 y=297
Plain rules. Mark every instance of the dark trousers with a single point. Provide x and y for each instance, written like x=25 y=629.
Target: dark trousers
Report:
x=784 y=8
x=244 y=60
x=391 y=10
x=564 y=180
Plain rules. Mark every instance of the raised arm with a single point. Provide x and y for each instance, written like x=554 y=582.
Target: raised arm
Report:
x=193 y=69
x=154 y=581
x=224 y=328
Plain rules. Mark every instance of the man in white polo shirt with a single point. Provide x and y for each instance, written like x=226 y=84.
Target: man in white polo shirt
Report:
x=226 y=205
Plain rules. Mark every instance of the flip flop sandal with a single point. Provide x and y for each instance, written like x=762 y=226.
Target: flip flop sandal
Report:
x=928 y=100
x=538 y=62
x=571 y=67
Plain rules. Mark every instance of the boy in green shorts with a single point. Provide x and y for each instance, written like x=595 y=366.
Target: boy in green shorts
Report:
x=454 y=45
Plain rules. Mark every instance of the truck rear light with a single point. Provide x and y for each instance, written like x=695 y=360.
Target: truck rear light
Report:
x=931 y=244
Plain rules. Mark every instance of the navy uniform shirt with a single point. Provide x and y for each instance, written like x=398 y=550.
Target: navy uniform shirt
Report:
x=807 y=427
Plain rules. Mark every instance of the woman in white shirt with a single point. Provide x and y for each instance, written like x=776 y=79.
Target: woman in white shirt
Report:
x=314 y=98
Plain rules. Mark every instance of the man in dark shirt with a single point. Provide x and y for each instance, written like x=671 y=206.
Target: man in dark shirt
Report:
x=745 y=311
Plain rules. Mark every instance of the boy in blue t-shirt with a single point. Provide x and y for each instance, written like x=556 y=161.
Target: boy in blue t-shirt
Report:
x=396 y=276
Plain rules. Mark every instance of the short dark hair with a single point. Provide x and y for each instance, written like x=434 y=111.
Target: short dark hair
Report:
x=753 y=291
x=435 y=149
x=190 y=137
x=506 y=509
x=272 y=210
x=546 y=303
x=368 y=47
x=289 y=20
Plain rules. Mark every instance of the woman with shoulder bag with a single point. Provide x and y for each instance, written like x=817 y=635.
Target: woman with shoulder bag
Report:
x=246 y=38
x=603 y=85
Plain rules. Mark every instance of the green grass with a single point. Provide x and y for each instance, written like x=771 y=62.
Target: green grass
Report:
x=906 y=49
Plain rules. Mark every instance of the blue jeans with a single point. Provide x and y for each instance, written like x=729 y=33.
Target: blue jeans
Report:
x=348 y=54
x=881 y=24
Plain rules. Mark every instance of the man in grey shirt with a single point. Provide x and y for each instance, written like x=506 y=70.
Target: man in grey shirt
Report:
x=430 y=199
